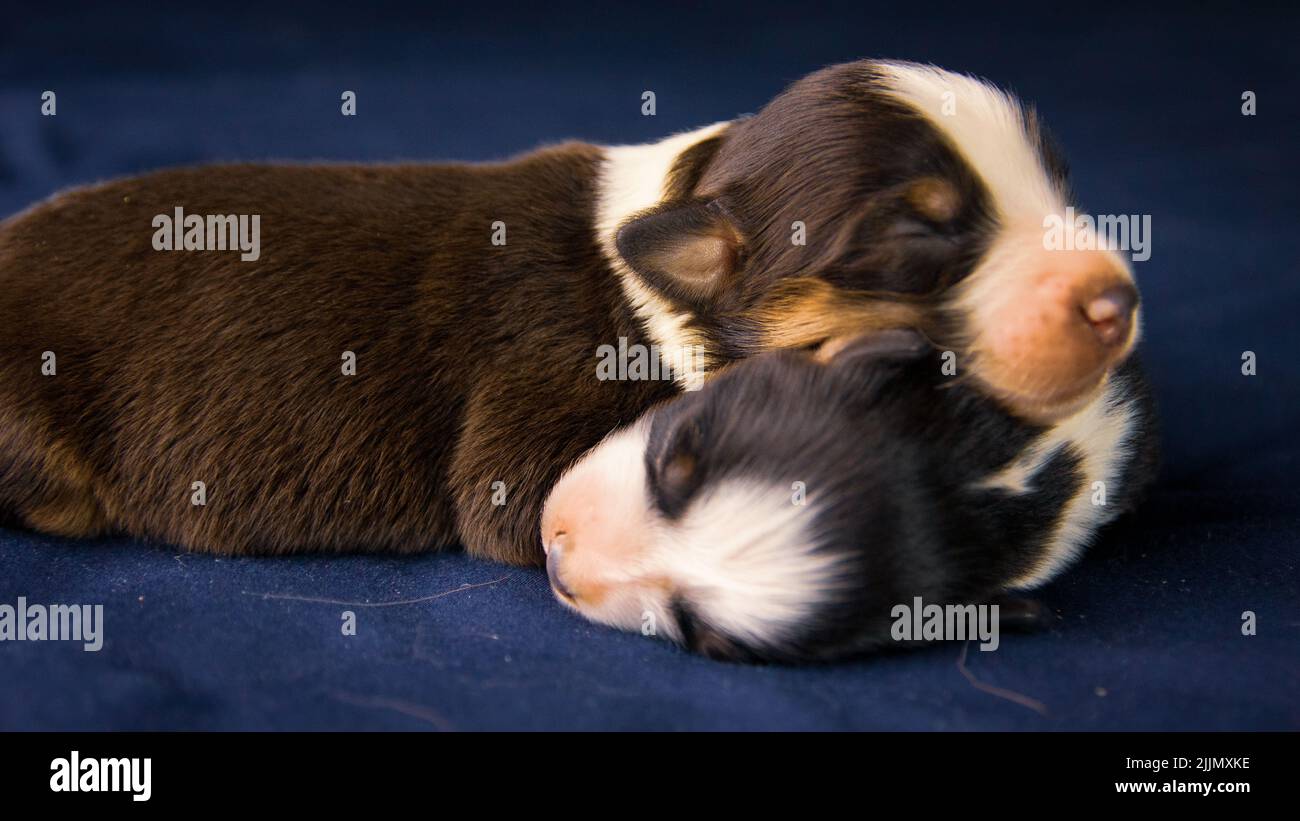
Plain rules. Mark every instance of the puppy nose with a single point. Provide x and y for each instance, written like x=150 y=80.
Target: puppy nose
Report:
x=554 y=554
x=1110 y=313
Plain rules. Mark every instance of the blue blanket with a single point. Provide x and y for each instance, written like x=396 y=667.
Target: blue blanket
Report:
x=1148 y=106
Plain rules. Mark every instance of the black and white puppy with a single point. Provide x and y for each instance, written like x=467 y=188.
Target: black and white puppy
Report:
x=781 y=512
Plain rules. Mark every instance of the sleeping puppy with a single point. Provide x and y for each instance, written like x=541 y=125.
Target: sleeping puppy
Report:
x=784 y=510
x=284 y=358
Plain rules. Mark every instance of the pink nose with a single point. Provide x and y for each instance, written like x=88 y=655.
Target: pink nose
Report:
x=1110 y=313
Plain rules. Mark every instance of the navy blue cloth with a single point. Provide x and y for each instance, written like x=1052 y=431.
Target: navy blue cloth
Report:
x=1148 y=107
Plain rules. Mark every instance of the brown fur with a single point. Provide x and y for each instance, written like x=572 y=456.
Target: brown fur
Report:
x=805 y=311
x=892 y=215
x=475 y=363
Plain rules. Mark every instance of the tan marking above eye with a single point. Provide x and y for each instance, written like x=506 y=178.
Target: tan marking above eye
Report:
x=934 y=198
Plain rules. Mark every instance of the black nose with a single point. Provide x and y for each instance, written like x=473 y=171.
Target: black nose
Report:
x=553 y=572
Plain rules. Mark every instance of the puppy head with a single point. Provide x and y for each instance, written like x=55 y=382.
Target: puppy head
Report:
x=879 y=195
x=777 y=514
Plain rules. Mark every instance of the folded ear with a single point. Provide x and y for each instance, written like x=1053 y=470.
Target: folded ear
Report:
x=890 y=345
x=881 y=363
x=676 y=471
x=686 y=251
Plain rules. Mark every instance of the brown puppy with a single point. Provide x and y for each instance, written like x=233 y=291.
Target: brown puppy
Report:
x=409 y=357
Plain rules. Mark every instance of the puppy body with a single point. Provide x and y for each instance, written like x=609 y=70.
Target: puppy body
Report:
x=137 y=383
x=175 y=368
x=785 y=510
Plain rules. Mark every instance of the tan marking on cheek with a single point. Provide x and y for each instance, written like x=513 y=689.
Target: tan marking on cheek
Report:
x=935 y=199
x=601 y=561
x=809 y=310
x=621 y=603
x=587 y=593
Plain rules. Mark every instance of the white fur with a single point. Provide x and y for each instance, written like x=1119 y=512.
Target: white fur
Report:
x=1101 y=434
x=743 y=555
x=746 y=558
x=987 y=128
x=632 y=180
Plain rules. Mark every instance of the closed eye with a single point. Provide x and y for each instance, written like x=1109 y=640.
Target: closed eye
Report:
x=684 y=619
x=699 y=637
x=919 y=230
x=911 y=229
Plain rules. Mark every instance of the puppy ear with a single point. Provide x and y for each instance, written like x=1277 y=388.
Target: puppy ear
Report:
x=891 y=345
x=878 y=358
x=678 y=471
x=687 y=251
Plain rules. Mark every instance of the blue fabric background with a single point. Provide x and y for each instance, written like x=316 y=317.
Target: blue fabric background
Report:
x=1147 y=105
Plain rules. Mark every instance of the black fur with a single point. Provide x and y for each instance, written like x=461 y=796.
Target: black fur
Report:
x=890 y=452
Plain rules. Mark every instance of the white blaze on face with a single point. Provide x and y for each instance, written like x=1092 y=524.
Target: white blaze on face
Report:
x=987 y=128
x=748 y=560
x=743 y=555
x=1025 y=302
